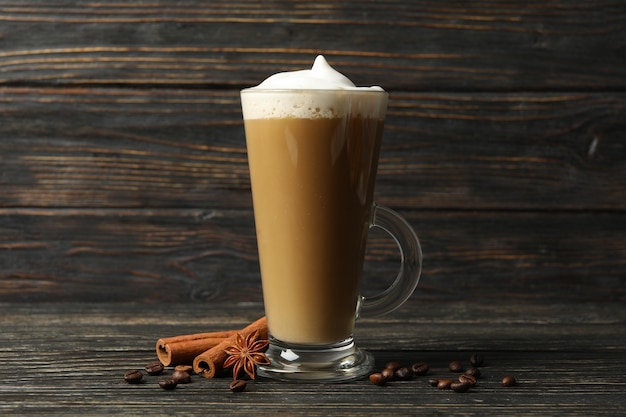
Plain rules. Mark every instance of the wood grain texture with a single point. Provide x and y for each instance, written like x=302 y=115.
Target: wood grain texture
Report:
x=123 y=170
x=61 y=359
x=124 y=186
x=87 y=147
x=435 y=45
x=151 y=256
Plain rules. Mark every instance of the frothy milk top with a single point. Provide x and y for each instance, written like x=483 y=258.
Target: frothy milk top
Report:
x=319 y=92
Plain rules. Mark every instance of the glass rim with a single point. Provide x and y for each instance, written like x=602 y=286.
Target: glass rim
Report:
x=364 y=90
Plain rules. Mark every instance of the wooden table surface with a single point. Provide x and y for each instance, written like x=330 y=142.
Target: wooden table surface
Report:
x=69 y=359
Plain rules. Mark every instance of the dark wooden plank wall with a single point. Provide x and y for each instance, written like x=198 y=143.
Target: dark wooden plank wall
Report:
x=123 y=171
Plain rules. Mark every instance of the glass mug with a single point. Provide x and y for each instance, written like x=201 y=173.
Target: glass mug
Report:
x=312 y=187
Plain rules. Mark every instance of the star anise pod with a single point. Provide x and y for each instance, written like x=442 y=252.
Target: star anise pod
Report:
x=246 y=353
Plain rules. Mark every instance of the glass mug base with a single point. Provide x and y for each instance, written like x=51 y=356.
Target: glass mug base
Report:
x=339 y=362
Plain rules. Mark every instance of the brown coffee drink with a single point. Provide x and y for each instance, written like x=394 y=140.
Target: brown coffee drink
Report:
x=312 y=182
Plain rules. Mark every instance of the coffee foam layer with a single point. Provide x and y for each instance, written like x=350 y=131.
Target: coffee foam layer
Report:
x=321 y=92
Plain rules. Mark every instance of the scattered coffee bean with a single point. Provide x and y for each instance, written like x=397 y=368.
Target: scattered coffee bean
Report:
x=184 y=368
x=238 y=385
x=509 y=381
x=456 y=366
x=133 y=376
x=388 y=373
x=154 y=368
x=469 y=379
x=181 y=377
x=444 y=383
x=420 y=368
x=476 y=359
x=475 y=372
x=466 y=380
x=167 y=384
x=460 y=386
x=377 y=378
x=403 y=374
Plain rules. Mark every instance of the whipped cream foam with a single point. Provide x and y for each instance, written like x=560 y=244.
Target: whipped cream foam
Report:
x=319 y=92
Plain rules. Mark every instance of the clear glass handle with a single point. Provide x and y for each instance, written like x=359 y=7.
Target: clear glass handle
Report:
x=410 y=264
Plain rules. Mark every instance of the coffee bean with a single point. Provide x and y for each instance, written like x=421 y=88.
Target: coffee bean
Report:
x=433 y=382
x=154 y=368
x=403 y=374
x=509 y=381
x=456 y=366
x=420 y=368
x=476 y=359
x=444 y=383
x=475 y=372
x=460 y=386
x=184 y=368
x=377 y=378
x=388 y=373
x=393 y=365
x=470 y=379
x=167 y=384
x=181 y=377
x=133 y=376
x=237 y=385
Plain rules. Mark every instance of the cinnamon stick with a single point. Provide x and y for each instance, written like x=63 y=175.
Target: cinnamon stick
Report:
x=210 y=363
x=180 y=350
